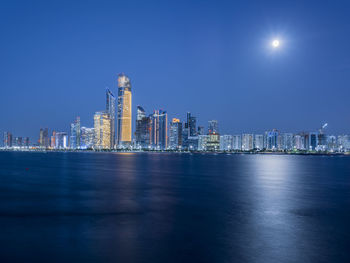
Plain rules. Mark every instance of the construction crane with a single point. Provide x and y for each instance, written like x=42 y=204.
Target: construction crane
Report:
x=324 y=126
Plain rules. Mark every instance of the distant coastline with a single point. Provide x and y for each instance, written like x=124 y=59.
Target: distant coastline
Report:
x=173 y=151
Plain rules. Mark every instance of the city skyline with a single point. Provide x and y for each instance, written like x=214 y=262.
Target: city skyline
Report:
x=217 y=62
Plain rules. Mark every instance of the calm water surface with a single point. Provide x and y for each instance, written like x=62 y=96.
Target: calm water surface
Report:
x=160 y=207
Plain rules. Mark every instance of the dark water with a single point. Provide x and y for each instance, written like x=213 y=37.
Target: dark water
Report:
x=159 y=207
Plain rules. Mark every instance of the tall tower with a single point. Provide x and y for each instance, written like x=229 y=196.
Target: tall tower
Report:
x=110 y=108
x=102 y=128
x=124 y=129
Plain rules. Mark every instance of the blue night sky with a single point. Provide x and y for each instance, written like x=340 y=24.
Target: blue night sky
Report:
x=213 y=58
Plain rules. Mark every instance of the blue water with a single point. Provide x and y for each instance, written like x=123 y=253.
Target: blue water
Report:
x=161 y=207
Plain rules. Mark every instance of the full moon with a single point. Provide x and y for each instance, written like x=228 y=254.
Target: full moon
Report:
x=275 y=43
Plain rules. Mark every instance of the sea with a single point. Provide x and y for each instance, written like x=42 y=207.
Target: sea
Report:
x=173 y=207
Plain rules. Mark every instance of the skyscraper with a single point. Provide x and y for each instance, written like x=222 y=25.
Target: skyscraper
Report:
x=124 y=128
x=110 y=108
x=102 y=128
x=259 y=141
x=237 y=142
x=272 y=139
x=87 y=137
x=175 y=134
x=143 y=129
x=159 y=130
x=247 y=142
x=44 y=138
x=61 y=140
x=75 y=134
x=191 y=125
x=7 y=139
x=226 y=142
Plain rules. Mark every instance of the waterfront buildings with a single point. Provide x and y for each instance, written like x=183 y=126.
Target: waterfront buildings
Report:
x=44 y=138
x=247 y=142
x=159 y=131
x=124 y=128
x=237 y=142
x=7 y=139
x=110 y=108
x=272 y=140
x=213 y=142
x=175 y=134
x=226 y=142
x=258 y=142
x=61 y=140
x=143 y=129
x=102 y=130
x=87 y=138
x=75 y=134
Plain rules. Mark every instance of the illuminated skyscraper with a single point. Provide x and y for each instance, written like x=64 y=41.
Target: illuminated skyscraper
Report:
x=143 y=129
x=87 y=137
x=44 y=138
x=7 y=139
x=247 y=142
x=159 y=130
x=110 y=107
x=61 y=140
x=226 y=142
x=259 y=141
x=102 y=128
x=175 y=134
x=124 y=128
x=75 y=134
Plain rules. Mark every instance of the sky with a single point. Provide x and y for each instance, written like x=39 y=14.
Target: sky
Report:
x=212 y=58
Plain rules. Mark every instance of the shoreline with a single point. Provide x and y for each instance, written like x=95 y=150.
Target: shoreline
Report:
x=182 y=152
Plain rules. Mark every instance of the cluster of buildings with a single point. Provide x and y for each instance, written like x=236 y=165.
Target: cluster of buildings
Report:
x=112 y=130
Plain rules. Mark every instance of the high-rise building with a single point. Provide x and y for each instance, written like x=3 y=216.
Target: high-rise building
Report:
x=7 y=139
x=202 y=142
x=110 y=107
x=237 y=142
x=61 y=140
x=75 y=134
x=313 y=141
x=299 y=142
x=143 y=129
x=287 y=141
x=175 y=134
x=87 y=138
x=343 y=143
x=159 y=130
x=213 y=127
x=102 y=128
x=213 y=142
x=124 y=128
x=44 y=138
x=53 y=140
x=272 y=140
x=191 y=125
x=258 y=142
x=247 y=142
x=226 y=142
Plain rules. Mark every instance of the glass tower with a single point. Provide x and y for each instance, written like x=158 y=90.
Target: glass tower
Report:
x=110 y=108
x=124 y=128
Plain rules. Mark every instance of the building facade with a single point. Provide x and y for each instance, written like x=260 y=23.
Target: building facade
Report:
x=124 y=125
x=110 y=108
x=102 y=129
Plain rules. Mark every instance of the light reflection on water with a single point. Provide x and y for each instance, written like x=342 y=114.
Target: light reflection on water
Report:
x=162 y=207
